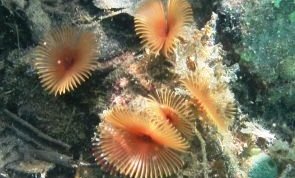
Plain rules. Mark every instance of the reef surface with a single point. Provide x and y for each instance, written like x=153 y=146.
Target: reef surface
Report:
x=245 y=48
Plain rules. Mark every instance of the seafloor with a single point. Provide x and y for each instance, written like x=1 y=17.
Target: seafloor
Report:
x=247 y=44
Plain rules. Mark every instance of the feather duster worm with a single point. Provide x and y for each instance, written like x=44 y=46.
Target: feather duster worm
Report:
x=65 y=58
x=158 y=30
x=97 y=152
x=173 y=108
x=214 y=102
x=137 y=146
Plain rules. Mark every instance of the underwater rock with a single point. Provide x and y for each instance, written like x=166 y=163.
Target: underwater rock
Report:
x=292 y=17
x=267 y=35
x=256 y=130
x=284 y=94
x=14 y=31
x=113 y=4
x=115 y=35
x=117 y=7
x=11 y=5
x=8 y=153
x=265 y=52
x=20 y=58
x=262 y=166
x=38 y=20
x=287 y=68
x=11 y=158
x=2 y=65
x=283 y=151
x=21 y=92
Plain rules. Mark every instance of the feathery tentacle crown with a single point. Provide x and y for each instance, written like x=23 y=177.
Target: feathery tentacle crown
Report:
x=214 y=103
x=158 y=30
x=138 y=146
x=65 y=58
x=173 y=108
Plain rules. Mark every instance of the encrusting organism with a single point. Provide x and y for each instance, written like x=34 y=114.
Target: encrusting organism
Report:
x=174 y=109
x=65 y=58
x=159 y=30
x=137 y=146
x=213 y=101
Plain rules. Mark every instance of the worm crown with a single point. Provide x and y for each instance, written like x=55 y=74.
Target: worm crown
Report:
x=173 y=109
x=160 y=30
x=137 y=146
x=65 y=58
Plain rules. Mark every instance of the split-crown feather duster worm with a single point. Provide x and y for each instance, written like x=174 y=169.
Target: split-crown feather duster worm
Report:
x=158 y=30
x=65 y=58
x=137 y=146
x=175 y=109
x=214 y=103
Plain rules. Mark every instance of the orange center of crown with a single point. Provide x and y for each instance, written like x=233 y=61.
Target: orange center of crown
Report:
x=169 y=114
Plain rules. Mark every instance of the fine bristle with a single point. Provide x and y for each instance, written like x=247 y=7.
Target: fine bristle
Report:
x=65 y=59
x=198 y=87
x=158 y=30
x=179 y=14
x=150 y=25
x=173 y=108
x=231 y=110
x=135 y=156
x=98 y=154
x=136 y=146
x=134 y=123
